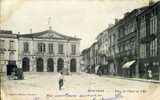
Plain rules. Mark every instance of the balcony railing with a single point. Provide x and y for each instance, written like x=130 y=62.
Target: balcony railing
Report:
x=11 y=49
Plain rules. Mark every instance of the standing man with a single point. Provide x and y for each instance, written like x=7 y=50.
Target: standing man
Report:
x=61 y=79
x=150 y=74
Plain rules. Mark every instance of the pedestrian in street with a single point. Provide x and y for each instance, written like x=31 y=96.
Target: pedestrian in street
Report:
x=9 y=71
x=13 y=73
x=150 y=74
x=100 y=72
x=61 y=80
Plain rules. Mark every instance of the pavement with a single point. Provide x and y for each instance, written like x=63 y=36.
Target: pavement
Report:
x=135 y=79
x=77 y=86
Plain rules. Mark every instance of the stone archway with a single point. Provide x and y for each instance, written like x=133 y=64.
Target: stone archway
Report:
x=73 y=66
x=50 y=65
x=25 y=64
x=39 y=65
x=60 y=64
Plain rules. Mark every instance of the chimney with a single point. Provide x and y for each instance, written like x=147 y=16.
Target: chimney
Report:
x=116 y=20
x=110 y=25
x=126 y=14
x=151 y=2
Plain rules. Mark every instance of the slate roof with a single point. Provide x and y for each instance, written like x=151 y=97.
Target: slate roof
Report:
x=7 y=34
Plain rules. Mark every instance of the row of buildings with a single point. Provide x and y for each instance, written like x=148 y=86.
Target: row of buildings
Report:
x=46 y=51
x=131 y=46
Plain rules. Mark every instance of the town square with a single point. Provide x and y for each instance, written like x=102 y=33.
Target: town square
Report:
x=80 y=50
x=44 y=86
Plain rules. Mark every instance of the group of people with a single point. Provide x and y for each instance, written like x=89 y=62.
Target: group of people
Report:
x=14 y=73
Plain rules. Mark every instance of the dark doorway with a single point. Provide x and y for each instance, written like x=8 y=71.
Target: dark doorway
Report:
x=60 y=64
x=39 y=65
x=50 y=65
x=25 y=64
x=73 y=65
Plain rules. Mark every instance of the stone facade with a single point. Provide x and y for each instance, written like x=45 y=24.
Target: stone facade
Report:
x=131 y=46
x=86 y=57
x=149 y=41
x=47 y=51
x=8 y=49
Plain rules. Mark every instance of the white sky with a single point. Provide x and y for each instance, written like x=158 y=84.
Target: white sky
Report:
x=83 y=18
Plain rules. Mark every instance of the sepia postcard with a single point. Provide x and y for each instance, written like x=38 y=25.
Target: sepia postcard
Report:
x=80 y=49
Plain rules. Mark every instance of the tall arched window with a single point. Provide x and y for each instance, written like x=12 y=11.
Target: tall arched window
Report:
x=50 y=65
x=73 y=65
x=40 y=65
x=60 y=64
x=25 y=64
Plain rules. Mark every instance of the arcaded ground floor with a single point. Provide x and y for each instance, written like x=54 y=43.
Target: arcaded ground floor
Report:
x=45 y=64
x=77 y=86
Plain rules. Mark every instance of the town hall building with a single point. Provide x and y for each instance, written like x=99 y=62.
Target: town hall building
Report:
x=47 y=51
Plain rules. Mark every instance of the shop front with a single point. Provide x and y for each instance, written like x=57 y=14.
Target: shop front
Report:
x=129 y=68
x=152 y=64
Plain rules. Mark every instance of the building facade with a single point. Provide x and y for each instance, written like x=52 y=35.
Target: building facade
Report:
x=127 y=37
x=93 y=55
x=131 y=46
x=113 y=49
x=101 y=43
x=86 y=58
x=149 y=41
x=47 y=51
x=8 y=49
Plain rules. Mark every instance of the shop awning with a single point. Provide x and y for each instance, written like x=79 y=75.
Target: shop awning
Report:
x=128 y=64
x=96 y=68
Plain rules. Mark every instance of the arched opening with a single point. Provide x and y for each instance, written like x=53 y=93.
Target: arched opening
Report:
x=25 y=64
x=73 y=65
x=39 y=65
x=50 y=65
x=60 y=64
